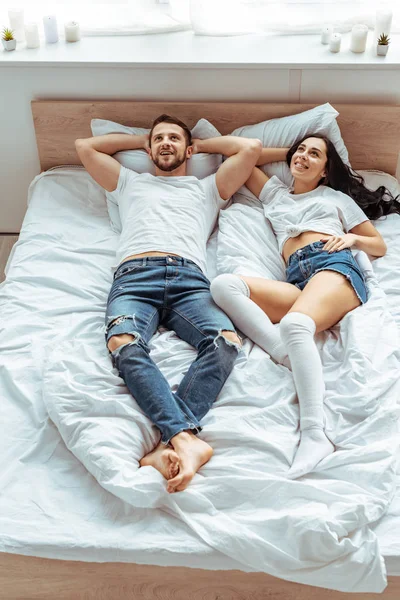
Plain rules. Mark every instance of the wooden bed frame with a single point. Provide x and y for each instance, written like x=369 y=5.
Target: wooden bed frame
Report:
x=372 y=136
x=371 y=133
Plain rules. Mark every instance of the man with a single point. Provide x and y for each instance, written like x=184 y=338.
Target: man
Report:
x=167 y=220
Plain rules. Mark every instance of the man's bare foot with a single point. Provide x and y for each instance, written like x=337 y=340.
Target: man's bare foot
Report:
x=164 y=459
x=193 y=453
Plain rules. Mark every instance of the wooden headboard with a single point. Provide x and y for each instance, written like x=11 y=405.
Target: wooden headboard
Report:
x=371 y=133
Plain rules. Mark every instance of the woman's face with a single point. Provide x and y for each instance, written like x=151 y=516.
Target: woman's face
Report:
x=309 y=161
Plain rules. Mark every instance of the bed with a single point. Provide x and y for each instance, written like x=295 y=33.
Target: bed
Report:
x=61 y=533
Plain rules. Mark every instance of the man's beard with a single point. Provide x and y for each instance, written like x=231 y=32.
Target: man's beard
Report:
x=179 y=160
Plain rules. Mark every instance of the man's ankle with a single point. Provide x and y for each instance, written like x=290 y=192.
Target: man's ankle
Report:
x=183 y=437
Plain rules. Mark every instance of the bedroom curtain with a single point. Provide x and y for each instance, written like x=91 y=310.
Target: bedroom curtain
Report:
x=232 y=17
x=207 y=17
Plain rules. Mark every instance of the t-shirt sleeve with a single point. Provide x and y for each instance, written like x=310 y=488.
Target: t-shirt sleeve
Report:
x=273 y=190
x=350 y=213
x=126 y=176
x=210 y=188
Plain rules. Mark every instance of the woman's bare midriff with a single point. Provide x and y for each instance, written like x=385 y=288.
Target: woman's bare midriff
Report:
x=295 y=243
x=144 y=254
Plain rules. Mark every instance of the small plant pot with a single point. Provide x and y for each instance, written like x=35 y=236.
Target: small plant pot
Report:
x=9 y=44
x=382 y=50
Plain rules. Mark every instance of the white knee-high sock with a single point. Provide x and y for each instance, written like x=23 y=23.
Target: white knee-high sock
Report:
x=365 y=265
x=232 y=294
x=297 y=331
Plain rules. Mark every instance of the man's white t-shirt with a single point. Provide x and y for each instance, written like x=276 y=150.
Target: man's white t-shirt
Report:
x=166 y=214
x=324 y=210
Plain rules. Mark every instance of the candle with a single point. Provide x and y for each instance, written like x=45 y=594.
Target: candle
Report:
x=359 y=35
x=334 y=44
x=32 y=35
x=72 y=32
x=16 y=18
x=326 y=33
x=50 y=29
x=383 y=22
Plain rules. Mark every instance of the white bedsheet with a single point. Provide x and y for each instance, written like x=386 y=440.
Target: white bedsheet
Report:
x=240 y=511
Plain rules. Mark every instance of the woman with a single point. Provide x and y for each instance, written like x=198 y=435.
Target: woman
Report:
x=316 y=222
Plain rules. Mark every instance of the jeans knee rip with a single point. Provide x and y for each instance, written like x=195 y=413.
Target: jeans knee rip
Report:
x=237 y=345
x=118 y=319
x=136 y=339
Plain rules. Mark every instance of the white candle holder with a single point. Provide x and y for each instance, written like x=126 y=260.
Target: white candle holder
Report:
x=359 y=35
x=50 y=29
x=326 y=33
x=32 y=35
x=72 y=31
x=335 y=41
x=383 y=22
x=16 y=19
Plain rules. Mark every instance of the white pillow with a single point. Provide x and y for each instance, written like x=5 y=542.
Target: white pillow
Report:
x=283 y=132
x=374 y=179
x=200 y=165
x=246 y=242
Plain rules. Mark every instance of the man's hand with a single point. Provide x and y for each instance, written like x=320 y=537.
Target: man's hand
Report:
x=242 y=155
x=195 y=146
x=146 y=142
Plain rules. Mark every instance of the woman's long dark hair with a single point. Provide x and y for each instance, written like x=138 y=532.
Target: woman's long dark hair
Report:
x=340 y=177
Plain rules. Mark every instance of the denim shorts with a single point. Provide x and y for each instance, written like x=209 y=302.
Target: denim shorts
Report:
x=307 y=261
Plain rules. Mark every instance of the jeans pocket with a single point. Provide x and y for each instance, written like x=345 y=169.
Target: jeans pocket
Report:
x=125 y=271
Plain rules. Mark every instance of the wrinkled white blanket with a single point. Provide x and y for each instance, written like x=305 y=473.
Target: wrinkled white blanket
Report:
x=316 y=530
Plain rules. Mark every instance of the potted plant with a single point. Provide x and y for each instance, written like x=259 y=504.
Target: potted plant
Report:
x=8 y=39
x=383 y=45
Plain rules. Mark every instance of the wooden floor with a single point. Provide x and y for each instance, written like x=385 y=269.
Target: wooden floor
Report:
x=30 y=578
x=6 y=243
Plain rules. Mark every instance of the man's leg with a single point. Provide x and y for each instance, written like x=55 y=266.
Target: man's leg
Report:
x=196 y=319
x=131 y=320
x=199 y=321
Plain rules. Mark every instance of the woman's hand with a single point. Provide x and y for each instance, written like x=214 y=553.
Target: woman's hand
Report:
x=334 y=243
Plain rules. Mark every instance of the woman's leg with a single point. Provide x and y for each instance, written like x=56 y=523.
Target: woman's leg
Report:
x=325 y=300
x=254 y=304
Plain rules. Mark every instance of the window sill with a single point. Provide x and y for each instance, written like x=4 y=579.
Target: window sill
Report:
x=186 y=50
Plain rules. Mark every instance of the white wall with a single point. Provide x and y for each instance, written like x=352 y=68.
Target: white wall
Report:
x=20 y=84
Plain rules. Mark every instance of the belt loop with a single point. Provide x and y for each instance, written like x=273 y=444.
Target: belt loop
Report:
x=144 y=263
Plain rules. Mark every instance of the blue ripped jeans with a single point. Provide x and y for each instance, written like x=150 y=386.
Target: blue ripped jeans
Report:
x=174 y=292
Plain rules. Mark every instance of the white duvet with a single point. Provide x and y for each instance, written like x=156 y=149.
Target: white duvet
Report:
x=240 y=511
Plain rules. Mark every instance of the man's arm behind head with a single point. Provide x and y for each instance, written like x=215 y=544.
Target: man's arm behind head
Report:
x=242 y=154
x=95 y=155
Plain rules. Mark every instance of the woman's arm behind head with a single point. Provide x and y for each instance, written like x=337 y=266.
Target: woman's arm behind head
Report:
x=256 y=181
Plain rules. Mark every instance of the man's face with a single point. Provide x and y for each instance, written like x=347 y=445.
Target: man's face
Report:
x=169 y=148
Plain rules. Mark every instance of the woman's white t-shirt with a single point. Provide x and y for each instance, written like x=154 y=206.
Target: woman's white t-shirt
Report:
x=323 y=210
x=166 y=214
